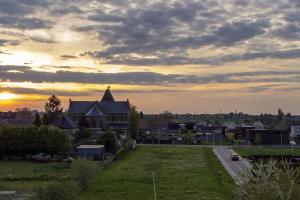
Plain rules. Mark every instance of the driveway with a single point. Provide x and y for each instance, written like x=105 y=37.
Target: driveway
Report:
x=235 y=168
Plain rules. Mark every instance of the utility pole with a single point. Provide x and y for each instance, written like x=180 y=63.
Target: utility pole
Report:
x=154 y=187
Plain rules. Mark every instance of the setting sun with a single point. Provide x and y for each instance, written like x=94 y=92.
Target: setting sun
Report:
x=7 y=96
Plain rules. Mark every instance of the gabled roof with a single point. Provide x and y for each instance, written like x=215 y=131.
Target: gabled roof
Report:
x=64 y=122
x=95 y=111
x=107 y=95
x=115 y=106
x=80 y=106
x=103 y=106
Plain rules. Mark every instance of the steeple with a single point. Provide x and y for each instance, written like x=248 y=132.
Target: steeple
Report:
x=107 y=95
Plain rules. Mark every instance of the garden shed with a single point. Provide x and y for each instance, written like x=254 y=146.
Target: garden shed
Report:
x=91 y=152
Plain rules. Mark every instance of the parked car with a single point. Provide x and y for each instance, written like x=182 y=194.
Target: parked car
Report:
x=68 y=160
x=13 y=158
x=234 y=157
x=41 y=158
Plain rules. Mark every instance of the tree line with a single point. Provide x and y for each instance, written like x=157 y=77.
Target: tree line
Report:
x=24 y=140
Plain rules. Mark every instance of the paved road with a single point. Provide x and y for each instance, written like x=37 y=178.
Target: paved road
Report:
x=235 y=168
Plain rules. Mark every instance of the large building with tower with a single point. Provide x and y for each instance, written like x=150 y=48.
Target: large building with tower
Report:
x=99 y=115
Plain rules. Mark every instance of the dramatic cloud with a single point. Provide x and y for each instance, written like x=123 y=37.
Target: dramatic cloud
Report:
x=144 y=78
x=4 y=42
x=150 y=46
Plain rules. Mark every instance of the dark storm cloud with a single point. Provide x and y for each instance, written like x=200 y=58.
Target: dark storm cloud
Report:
x=59 y=10
x=4 y=42
x=157 y=31
x=214 y=60
x=17 y=14
x=41 y=40
x=144 y=32
x=97 y=78
x=217 y=60
x=68 y=57
x=24 y=23
x=144 y=78
x=45 y=92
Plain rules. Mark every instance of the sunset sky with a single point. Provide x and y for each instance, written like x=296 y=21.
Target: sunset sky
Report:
x=201 y=56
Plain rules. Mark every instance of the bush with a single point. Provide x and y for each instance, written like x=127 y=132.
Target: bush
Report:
x=257 y=139
x=56 y=191
x=84 y=173
x=128 y=146
x=109 y=140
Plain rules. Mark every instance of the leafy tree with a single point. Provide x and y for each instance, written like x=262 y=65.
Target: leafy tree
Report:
x=166 y=115
x=109 y=140
x=189 y=137
x=141 y=115
x=257 y=139
x=134 y=122
x=270 y=181
x=37 y=121
x=45 y=119
x=53 y=107
x=23 y=140
x=84 y=173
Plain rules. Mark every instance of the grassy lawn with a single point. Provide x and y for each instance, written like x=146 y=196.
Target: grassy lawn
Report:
x=190 y=173
x=246 y=152
x=22 y=174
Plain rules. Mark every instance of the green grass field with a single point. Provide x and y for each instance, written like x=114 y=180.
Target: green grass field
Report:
x=190 y=173
x=246 y=152
x=26 y=175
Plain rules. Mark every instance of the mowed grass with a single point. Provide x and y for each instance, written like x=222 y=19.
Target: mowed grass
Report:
x=246 y=152
x=191 y=173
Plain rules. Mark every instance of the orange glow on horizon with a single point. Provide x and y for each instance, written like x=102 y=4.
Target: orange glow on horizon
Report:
x=5 y=96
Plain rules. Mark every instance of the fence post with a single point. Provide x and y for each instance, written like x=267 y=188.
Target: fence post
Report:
x=154 y=187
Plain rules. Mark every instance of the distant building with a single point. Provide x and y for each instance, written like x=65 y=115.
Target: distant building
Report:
x=19 y=118
x=209 y=133
x=268 y=136
x=100 y=115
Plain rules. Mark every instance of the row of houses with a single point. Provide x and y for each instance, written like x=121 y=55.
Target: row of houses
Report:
x=170 y=132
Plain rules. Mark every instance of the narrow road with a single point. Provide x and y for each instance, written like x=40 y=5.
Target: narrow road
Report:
x=235 y=168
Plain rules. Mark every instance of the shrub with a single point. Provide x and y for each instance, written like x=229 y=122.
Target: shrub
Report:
x=257 y=139
x=56 y=191
x=84 y=173
x=109 y=140
x=128 y=146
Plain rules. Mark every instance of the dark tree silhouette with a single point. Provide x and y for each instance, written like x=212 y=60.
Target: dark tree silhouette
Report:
x=53 y=107
x=37 y=120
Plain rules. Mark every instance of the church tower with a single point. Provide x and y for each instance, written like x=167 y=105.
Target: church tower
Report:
x=107 y=95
